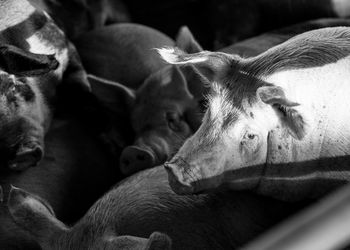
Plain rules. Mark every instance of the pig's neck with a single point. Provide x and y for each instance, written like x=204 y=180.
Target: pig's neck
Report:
x=13 y=12
x=319 y=162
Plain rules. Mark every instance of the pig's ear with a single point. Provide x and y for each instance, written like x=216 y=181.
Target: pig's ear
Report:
x=34 y=215
x=170 y=80
x=212 y=65
x=186 y=41
x=113 y=95
x=158 y=241
x=197 y=83
x=19 y=62
x=285 y=108
x=177 y=83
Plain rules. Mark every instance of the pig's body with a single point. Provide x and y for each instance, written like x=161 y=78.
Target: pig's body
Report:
x=259 y=44
x=63 y=178
x=235 y=20
x=144 y=203
x=122 y=52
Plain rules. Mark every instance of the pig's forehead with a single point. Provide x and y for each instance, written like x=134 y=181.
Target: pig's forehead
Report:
x=237 y=85
x=221 y=111
x=228 y=103
x=233 y=96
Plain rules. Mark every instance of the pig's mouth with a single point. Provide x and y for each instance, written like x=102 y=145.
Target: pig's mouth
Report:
x=28 y=155
x=183 y=179
x=135 y=158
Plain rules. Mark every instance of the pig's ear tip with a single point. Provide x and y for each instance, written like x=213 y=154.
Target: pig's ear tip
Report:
x=169 y=54
x=165 y=50
x=184 y=28
x=13 y=188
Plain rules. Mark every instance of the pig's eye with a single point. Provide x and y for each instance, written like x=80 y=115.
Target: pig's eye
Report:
x=174 y=121
x=251 y=136
x=250 y=142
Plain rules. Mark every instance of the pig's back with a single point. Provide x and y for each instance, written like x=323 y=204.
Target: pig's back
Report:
x=144 y=203
x=122 y=52
x=259 y=44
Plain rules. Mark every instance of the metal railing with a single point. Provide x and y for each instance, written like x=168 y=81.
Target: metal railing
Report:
x=323 y=226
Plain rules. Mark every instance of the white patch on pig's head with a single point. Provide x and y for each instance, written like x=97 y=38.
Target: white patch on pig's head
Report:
x=215 y=107
x=39 y=45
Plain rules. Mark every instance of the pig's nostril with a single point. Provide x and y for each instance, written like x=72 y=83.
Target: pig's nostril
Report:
x=170 y=171
x=167 y=166
x=37 y=154
x=27 y=157
x=125 y=162
x=141 y=157
x=176 y=181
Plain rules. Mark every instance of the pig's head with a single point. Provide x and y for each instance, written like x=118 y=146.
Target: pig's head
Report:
x=22 y=108
x=36 y=216
x=230 y=147
x=164 y=111
x=162 y=117
x=162 y=114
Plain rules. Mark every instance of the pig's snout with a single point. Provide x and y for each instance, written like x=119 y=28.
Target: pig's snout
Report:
x=26 y=157
x=176 y=180
x=134 y=158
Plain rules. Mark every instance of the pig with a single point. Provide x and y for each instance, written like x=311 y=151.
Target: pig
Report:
x=276 y=123
x=104 y=51
x=144 y=203
x=259 y=44
x=35 y=59
x=162 y=100
x=234 y=20
x=74 y=158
